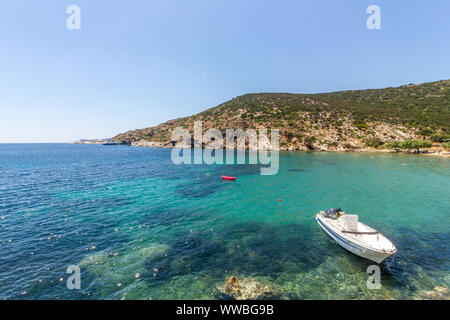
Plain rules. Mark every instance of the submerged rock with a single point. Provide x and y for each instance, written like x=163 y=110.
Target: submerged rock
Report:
x=438 y=293
x=247 y=289
x=120 y=268
x=231 y=285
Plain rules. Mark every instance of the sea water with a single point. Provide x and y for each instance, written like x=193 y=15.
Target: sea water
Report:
x=140 y=227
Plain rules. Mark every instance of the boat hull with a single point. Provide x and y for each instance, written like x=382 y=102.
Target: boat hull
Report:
x=367 y=253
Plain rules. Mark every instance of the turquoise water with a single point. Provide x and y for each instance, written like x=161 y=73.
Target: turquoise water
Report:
x=140 y=227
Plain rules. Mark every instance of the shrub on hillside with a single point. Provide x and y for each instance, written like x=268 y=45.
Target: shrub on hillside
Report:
x=440 y=137
x=426 y=132
x=374 y=142
x=362 y=126
x=309 y=139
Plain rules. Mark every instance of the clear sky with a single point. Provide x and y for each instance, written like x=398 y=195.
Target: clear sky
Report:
x=135 y=64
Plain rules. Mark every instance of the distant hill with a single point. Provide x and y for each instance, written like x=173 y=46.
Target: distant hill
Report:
x=343 y=120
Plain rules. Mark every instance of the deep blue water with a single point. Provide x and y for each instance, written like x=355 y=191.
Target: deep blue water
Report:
x=140 y=227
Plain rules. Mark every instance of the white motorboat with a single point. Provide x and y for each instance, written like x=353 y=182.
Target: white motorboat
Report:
x=355 y=236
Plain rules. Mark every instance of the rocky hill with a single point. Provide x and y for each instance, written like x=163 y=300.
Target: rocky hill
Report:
x=336 y=121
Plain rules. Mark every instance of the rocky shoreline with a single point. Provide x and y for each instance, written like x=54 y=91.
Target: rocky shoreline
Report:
x=169 y=145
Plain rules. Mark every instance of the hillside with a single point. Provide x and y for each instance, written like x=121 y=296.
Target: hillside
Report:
x=344 y=120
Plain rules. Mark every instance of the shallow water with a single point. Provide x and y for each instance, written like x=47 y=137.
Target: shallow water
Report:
x=140 y=227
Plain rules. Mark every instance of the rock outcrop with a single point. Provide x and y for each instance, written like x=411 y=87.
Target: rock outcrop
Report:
x=247 y=289
x=438 y=293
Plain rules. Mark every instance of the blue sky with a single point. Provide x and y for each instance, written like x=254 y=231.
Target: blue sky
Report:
x=136 y=63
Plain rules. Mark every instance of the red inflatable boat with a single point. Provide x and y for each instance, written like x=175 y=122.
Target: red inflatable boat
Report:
x=228 y=178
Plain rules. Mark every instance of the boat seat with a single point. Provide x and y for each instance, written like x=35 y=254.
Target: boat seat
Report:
x=350 y=222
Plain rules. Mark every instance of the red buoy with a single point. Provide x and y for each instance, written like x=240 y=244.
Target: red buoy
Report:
x=228 y=178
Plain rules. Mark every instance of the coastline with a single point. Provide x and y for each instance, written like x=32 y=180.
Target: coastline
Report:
x=162 y=145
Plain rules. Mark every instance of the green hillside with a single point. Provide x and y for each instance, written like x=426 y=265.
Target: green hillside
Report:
x=336 y=120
